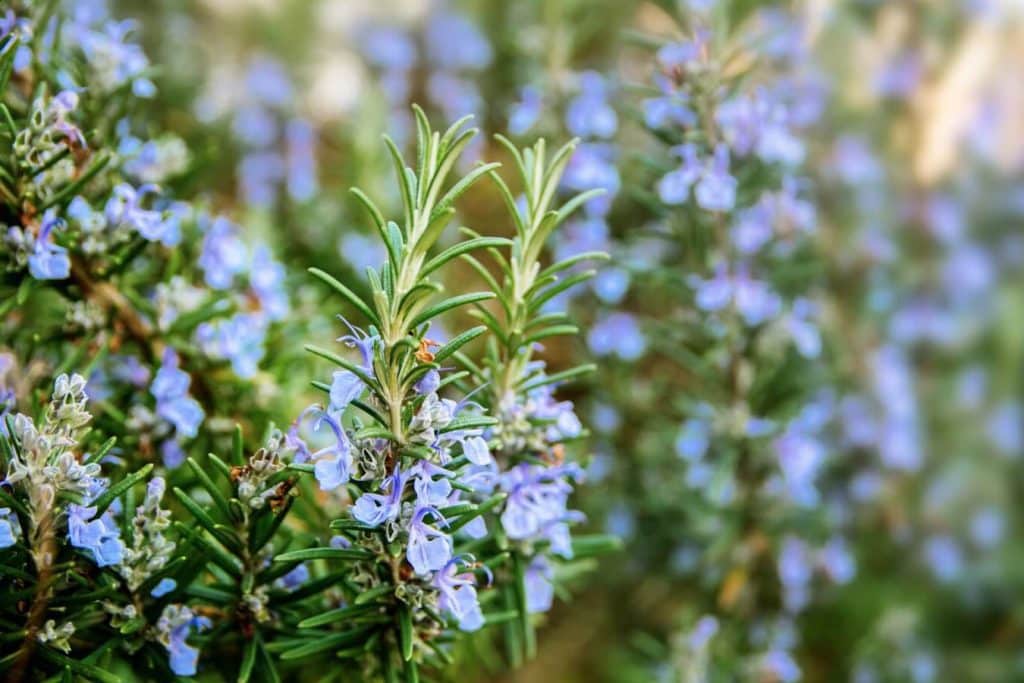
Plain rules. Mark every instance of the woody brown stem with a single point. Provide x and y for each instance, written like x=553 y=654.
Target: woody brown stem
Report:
x=43 y=550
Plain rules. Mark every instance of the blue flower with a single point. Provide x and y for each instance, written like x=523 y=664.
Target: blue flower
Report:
x=619 y=334
x=429 y=383
x=255 y=125
x=539 y=585
x=592 y=166
x=268 y=82
x=388 y=48
x=100 y=537
x=373 y=509
x=454 y=43
x=124 y=208
x=223 y=255
x=49 y=261
x=716 y=190
x=779 y=665
x=429 y=549
x=944 y=557
x=795 y=572
x=837 y=560
x=674 y=187
x=476 y=450
x=589 y=114
x=294 y=578
x=165 y=586
x=175 y=625
x=431 y=491
x=258 y=176
x=300 y=159
x=537 y=497
x=693 y=440
x=676 y=57
x=9 y=528
x=611 y=284
x=170 y=389
x=346 y=387
x=238 y=339
x=525 y=113
x=458 y=596
x=332 y=463
x=671 y=109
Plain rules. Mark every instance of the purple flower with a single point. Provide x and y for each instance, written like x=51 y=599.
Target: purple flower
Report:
x=703 y=632
x=754 y=299
x=238 y=339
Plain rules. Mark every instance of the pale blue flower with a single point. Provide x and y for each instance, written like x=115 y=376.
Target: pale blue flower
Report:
x=428 y=549
x=373 y=509
x=539 y=585
x=170 y=389
x=716 y=190
x=165 y=586
x=10 y=529
x=49 y=261
x=101 y=537
x=458 y=596
x=590 y=114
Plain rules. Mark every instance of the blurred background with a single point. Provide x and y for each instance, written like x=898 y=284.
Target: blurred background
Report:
x=828 y=493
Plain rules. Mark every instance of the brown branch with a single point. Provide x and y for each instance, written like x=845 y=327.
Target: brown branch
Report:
x=43 y=551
